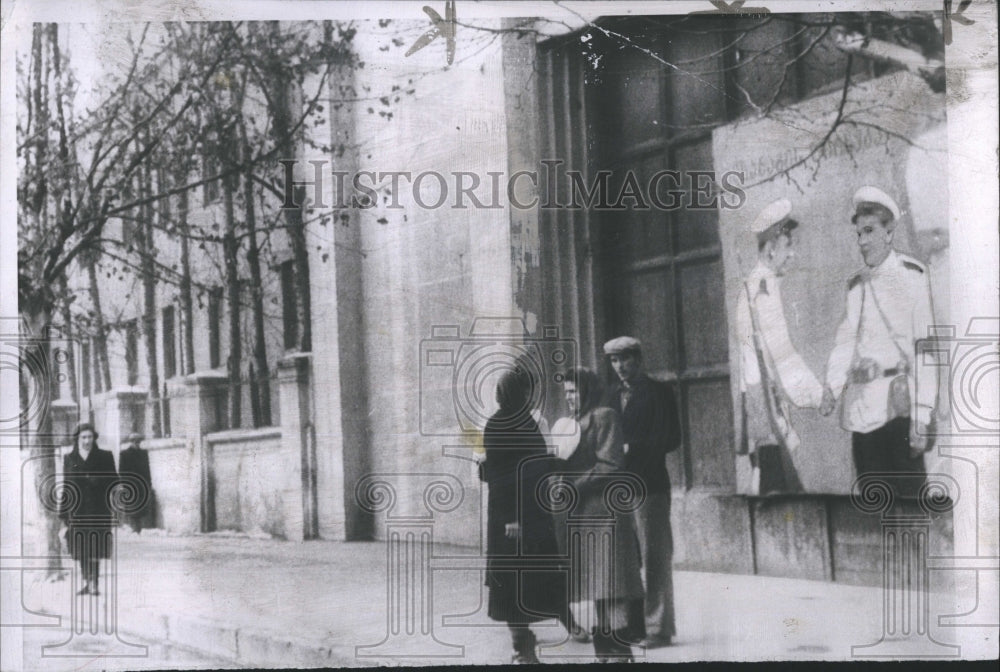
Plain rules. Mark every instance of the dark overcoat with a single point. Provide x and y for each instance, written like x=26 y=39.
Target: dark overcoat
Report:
x=134 y=462
x=606 y=495
x=86 y=507
x=515 y=465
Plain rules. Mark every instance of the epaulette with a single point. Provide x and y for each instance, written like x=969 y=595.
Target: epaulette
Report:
x=911 y=264
x=855 y=279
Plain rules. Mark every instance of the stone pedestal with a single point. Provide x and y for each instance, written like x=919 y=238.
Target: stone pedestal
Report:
x=124 y=413
x=298 y=437
x=199 y=407
x=65 y=418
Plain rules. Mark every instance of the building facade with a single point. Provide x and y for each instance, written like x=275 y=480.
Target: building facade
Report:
x=414 y=298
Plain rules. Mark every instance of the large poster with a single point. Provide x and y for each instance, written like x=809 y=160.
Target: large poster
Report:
x=889 y=133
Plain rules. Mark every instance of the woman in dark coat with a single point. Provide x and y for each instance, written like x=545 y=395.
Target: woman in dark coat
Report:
x=89 y=476
x=519 y=529
x=606 y=497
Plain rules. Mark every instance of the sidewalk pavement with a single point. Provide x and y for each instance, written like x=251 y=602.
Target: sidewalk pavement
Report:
x=266 y=603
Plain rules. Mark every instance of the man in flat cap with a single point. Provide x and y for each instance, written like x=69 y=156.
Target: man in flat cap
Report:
x=651 y=429
x=872 y=362
x=772 y=373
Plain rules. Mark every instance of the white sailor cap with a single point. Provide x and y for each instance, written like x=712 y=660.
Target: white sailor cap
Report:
x=773 y=220
x=617 y=346
x=874 y=195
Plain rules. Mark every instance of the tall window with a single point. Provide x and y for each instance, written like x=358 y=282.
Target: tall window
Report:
x=289 y=308
x=214 y=321
x=132 y=351
x=212 y=190
x=85 y=368
x=169 y=343
x=665 y=273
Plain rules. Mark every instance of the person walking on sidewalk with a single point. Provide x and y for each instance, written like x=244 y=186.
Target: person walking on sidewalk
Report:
x=651 y=429
x=606 y=577
x=519 y=531
x=88 y=476
x=134 y=462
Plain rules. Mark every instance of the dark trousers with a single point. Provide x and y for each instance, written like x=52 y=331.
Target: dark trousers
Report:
x=90 y=568
x=523 y=640
x=777 y=471
x=887 y=451
x=656 y=540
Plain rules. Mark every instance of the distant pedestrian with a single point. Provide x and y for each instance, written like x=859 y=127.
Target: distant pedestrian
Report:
x=134 y=461
x=89 y=475
x=519 y=529
x=651 y=427
x=608 y=576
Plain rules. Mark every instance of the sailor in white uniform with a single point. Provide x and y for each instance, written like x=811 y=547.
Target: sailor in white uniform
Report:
x=772 y=373
x=874 y=357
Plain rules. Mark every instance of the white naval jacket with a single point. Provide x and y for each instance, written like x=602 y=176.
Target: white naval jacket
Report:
x=901 y=286
x=785 y=366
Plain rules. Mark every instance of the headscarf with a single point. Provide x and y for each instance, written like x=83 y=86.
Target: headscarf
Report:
x=514 y=393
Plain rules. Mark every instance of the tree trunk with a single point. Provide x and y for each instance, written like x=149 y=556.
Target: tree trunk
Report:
x=67 y=318
x=283 y=82
x=100 y=331
x=256 y=287
x=43 y=453
x=144 y=231
x=230 y=247
x=187 y=301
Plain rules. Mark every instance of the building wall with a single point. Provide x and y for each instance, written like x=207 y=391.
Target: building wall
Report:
x=413 y=268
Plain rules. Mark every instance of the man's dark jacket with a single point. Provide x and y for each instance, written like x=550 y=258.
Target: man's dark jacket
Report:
x=652 y=428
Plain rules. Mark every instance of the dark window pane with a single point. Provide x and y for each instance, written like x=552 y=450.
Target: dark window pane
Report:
x=703 y=315
x=644 y=310
x=710 y=433
x=633 y=98
x=85 y=368
x=697 y=93
x=698 y=220
x=289 y=310
x=759 y=59
x=214 y=321
x=132 y=352
x=98 y=378
x=643 y=232
x=169 y=347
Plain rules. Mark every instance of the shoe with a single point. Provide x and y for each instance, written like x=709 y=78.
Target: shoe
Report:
x=578 y=634
x=84 y=591
x=657 y=642
x=524 y=659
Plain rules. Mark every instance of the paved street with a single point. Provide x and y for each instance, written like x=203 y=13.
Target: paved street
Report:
x=211 y=601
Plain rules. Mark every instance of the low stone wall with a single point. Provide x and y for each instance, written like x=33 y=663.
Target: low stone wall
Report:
x=174 y=468
x=254 y=483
